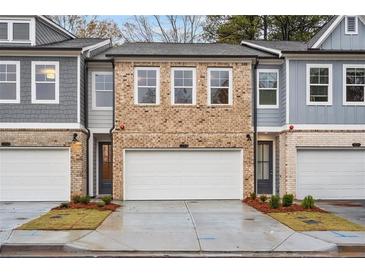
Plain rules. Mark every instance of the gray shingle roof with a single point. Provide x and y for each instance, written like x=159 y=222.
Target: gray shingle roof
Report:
x=184 y=50
x=321 y=31
x=280 y=45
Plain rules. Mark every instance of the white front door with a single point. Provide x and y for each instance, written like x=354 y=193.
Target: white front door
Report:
x=28 y=174
x=183 y=174
x=331 y=174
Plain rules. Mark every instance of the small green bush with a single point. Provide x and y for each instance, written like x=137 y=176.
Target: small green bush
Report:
x=253 y=196
x=107 y=199
x=100 y=204
x=288 y=200
x=76 y=199
x=274 y=201
x=263 y=198
x=85 y=199
x=65 y=205
x=308 y=202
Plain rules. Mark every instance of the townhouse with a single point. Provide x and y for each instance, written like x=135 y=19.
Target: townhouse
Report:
x=157 y=121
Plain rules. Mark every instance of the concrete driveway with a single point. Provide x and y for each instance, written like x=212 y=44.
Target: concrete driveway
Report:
x=352 y=210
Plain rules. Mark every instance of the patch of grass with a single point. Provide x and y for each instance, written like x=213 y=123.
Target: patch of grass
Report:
x=68 y=219
x=315 y=221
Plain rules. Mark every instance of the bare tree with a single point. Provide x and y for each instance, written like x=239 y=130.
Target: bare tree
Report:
x=170 y=29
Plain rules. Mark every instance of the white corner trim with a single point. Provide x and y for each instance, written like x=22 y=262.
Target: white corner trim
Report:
x=344 y=85
x=17 y=89
x=329 y=85
x=135 y=75
x=193 y=87
x=57 y=82
x=230 y=86
x=78 y=89
x=40 y=126
x=328 y=32
x=287 y=83
x=258 y=88
x=271 y=50
x=93 y=90
x=95 y=46
x=56 y=26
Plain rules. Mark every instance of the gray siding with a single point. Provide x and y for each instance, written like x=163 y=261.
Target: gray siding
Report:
x=274 y=116
x=339 y=40
x=300 y=113
x=26 y=112
x=98 y=118
x=82 y=89
x=46 y=34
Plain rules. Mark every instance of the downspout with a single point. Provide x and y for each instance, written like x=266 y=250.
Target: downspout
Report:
x=113 y=120
x=86 y=113
x=255 y=121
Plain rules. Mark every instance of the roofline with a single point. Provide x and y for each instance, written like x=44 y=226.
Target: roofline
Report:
x=98 y=45
x=270 y=50
x=40 y=48
x=181 y=56
x=321 y=39
x=325 y=52
x=51 y=22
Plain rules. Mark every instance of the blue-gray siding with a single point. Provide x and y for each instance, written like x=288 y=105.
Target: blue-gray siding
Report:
x=338 y=40
x=300 y=113
x=26 y=112
x=46 y=34
x=275 y=116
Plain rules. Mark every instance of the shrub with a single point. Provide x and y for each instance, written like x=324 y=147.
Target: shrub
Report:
x=85 y=199
x=308 y=202
x=288 y=199
x=274 y=201
x=65 y=205
x=100 y=204
x=107 y=199
x=253 y=196
x=263 y=198
x=76 y=199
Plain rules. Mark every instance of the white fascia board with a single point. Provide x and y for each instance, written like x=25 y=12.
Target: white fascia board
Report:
x=40 y=126
x=271 y=50
x=327 y=32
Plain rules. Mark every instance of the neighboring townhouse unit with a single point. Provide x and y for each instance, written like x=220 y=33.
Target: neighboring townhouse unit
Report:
x=311 y=113
x=43 y=138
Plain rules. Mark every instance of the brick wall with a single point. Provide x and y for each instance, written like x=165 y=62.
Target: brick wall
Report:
x=167 y=126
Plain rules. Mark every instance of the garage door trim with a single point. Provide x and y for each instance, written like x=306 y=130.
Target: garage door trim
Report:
x=185 y=149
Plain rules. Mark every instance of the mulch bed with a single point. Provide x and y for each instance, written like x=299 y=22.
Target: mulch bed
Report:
x=91 y=205
x=265 y=208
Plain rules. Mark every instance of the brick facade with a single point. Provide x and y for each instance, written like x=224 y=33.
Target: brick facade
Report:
x=289 y=142
x=168 y=126
x=55 y=138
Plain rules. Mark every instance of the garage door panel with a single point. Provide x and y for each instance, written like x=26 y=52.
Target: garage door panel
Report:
x=331 y=174
x=171 y=175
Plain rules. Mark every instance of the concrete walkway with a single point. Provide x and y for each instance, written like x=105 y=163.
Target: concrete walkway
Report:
x=181 y=226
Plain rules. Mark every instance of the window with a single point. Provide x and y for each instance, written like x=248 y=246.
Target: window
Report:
x=354 y=84
x=45 y=82
x=319 y=84
x=17 y=31
x=219 y=86
x=146 y=86
x=3 y=31
x=267 y=88
x=351 y=25
x=102 y=91
x=20 y=31
x=9 y=82
x=183 y=86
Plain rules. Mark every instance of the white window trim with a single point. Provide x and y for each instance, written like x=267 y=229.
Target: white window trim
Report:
x=193 y=70
x=17 y=99
x=344 y=85
x=330 y=90
x=230 y=97
x=157 y=102
x=258 y=88
x=356 y=26
x=57 y=82
x=93 y=96
x=11 y=21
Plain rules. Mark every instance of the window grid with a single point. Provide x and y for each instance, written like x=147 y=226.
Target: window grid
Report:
x=147 y=79
x=275 y=88
x=106 y=80
x=9 y=74
x=50 y=75
x=358 y=75
x=183 y=86
x=227 y=87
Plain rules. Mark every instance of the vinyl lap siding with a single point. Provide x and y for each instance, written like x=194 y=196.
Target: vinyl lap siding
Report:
x=47 y=35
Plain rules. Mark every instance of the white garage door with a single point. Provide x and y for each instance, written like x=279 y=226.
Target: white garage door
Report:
x=331 y=174
x=191 y=174
x=34 y=175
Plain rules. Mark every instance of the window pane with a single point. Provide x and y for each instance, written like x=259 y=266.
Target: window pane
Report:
x=146 y=95
x=219 y=96
x=319 y=93
x=183 y=95
x=268 y=80
x=45 y=73
x=259 y=171
x=3 y=31
x=7 y=91
x=142 y=77
x=20 y=31
x=2 y=68
x=350 y=75
x=11 y=68
x=151 y=81
x=265 y=171
x=45 y=91
x=11 y=77
x=265 y=152
x=104 y=99
x=188 y=74
x=2 y=76
x=355 y=94
x=267 y=97
x=151 y=74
